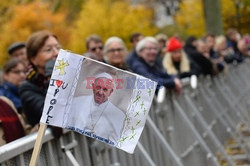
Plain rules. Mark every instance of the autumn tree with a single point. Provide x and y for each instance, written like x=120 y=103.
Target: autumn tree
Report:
x=191 y=18
x=212 y=16
x=110 y=18
x=28 y=18
x=72 y=8
x=237 y=15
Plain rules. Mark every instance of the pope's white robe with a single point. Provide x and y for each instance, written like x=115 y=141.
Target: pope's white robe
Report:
x=104 y=120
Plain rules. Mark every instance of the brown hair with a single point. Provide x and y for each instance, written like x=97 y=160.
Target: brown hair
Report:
x=134 y=36
x=35 y=42
x=230 y=31
x=209 y=35
x=11 y=64
x=94 y=38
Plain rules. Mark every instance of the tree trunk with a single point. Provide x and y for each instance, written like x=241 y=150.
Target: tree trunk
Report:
x=213 y=19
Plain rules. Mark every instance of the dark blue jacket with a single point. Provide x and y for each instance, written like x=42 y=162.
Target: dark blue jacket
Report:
x=11 y=91
x=154 y=73
x=130 y=58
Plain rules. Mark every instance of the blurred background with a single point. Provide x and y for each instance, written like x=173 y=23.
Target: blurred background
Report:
x=73 y=21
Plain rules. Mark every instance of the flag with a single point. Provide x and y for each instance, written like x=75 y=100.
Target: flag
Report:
x=98 y=100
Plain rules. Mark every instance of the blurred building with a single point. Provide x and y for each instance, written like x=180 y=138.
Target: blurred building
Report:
x=163 y=10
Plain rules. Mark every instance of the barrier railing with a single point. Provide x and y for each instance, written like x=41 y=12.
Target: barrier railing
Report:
x=194 y=128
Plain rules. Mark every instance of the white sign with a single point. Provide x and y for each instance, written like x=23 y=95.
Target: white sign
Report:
x=98 y=100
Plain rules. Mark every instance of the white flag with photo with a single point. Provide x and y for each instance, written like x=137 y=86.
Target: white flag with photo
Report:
x=98 y=100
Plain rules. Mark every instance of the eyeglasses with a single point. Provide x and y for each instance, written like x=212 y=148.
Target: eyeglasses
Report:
x=151 y=48
x=18 y=72
x=51 y=49
x=115 y=50
x=95 y=48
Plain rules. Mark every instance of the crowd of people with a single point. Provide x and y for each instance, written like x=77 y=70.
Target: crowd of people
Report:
x=25 y=77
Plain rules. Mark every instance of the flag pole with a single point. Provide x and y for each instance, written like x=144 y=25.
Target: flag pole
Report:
x=38 y=144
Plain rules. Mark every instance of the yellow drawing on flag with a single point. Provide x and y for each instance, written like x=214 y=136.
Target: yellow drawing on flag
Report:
x=61 y=66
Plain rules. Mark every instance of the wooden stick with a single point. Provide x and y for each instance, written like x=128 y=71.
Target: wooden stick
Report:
x=38 y=144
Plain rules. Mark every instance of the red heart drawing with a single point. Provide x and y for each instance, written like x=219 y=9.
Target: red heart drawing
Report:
x=58 y=83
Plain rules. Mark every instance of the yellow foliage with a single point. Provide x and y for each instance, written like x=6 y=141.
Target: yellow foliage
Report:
x=227 y=8
x=228 y=12
x=110 y=18
x=28 y=18
x=4 y=11
x=191 y=18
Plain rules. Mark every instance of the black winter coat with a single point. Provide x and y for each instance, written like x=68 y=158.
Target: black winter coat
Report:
x=32 y=94
x=203 y=65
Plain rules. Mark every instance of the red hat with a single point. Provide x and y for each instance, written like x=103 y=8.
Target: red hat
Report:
x=173 y=44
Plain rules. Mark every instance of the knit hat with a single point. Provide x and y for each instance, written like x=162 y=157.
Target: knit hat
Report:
x=15 y=46
x=173 y=44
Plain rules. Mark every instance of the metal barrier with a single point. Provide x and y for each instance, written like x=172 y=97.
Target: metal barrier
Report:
x=187 y=130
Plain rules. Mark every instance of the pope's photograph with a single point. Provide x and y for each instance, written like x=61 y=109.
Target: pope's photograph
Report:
x=100 y=103
x=98 y=100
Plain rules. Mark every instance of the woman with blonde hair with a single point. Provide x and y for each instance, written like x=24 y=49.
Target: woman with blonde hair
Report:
x=223 y=53
x=175 y=61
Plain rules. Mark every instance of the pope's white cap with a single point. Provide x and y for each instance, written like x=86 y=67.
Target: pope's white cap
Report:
x=104 y=75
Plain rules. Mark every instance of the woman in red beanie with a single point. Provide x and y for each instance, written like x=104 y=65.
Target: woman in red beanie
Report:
x=175 y=61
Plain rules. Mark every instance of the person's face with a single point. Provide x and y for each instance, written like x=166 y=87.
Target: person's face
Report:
x=20 y=54
x=96 y=49
x=136 y=40
x=16 y=75
x=149 y=52
x=242 y=46
x=194 y=43
x=101 y=91
x=116 y=53
x=210 y=41
x=233 y=36
x=49 y=51
x=222 y=46
x=162 y=44
x=176 y=55
x=202 y=47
